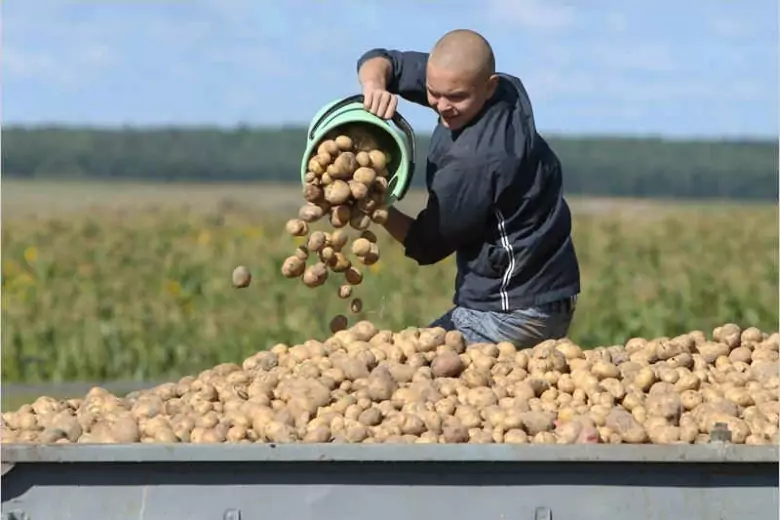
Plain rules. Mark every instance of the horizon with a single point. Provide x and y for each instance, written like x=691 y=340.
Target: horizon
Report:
x=270 y=127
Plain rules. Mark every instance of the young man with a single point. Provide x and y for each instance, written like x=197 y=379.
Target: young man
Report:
x=494 y=191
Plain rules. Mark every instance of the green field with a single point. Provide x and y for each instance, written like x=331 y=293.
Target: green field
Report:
x=132 y=282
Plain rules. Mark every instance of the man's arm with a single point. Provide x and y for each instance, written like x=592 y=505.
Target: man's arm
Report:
x=399 y=72
x=459 y=206
x=397 y=224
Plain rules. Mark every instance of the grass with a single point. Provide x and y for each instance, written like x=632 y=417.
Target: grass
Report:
x=132 y=282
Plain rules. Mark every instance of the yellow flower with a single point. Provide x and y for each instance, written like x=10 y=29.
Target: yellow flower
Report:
x=204 y=238
x=31 y=254
x=24 y=279
x=253 y=232
x=10 y=267
x=173 y=287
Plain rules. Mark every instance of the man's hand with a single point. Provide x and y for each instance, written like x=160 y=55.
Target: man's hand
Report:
x=379 y=101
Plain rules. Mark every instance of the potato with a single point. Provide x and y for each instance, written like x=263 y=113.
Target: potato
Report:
x=356 y=305
x=315 y=242
x=353 y=276
x=311 y=212
x=338 y=323
x=241 y=277
x=328 y=256
x=360 y=221
x=296 y=227
x=453 y=431
x=344 y=143
x=344 y=166
x=315 y=167
x=293 y=267
x=337 y=192
x=426 y=385
x=364 y=176
x=358 y=190
x=363 y=159
x=626 y=426
x=340 y=215
x=378 y=159
x=361 y=247
x=315 y=275
x=312 y=192
x=340 y=263
x=328 y=146
x=372 y=256
x=368 y=204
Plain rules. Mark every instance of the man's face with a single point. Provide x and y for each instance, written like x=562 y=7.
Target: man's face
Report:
x=456 y=96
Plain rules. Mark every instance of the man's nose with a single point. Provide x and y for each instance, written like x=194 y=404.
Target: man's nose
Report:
x=444 y=105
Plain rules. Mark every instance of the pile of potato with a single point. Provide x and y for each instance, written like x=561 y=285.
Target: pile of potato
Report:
x=346 y=185
x=364 y=385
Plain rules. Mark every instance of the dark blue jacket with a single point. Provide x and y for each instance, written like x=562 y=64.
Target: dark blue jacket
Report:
x=494 y=199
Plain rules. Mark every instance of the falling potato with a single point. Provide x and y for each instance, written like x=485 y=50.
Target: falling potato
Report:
x=328 y=256
x=293 y=267
x=315 y=242
x=345 y=291
x=302 y=253
x=296 y=227
x=353 y=275
x=338 y=323
x=360 y=221
x=368 y=235
x=337 y=239
x=241 y=277
x=315 y=275
x=361 y=246
x=356 y=305
x=372 y=255
x=340 y=263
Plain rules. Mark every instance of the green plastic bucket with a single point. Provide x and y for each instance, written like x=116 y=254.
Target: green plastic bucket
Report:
x=397 y=137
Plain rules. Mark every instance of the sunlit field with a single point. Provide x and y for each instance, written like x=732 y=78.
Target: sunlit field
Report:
x=133 y=282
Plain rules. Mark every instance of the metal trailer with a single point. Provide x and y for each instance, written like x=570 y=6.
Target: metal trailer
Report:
x=389 y=482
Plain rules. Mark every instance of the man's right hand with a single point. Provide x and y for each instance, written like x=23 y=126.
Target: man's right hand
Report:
x=379 y=101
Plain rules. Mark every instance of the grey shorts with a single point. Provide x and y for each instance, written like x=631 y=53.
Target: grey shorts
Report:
x=524 y=327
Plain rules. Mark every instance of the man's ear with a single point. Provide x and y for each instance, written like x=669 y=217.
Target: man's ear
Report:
x=492 y=84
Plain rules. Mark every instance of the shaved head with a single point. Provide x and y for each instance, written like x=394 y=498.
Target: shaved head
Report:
x=465 y=51
x=461 y=77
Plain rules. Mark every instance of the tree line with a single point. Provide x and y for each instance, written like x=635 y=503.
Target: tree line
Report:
x=602 y=166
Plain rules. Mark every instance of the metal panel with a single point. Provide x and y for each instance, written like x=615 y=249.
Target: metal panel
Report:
x=390 y=482
x=713 y=452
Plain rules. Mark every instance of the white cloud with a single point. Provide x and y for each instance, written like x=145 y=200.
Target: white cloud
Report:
x=643 y=56
x=66 y=68
x=556 y=85
x=728 y=27
x=20 y=64
x=616 y=22
x=618 y=55
x=533 y=14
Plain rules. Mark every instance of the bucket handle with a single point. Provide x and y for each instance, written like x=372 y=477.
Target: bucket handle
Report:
x=397 y=118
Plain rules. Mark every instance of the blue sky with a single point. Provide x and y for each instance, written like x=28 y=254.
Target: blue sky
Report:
x=675 y=68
